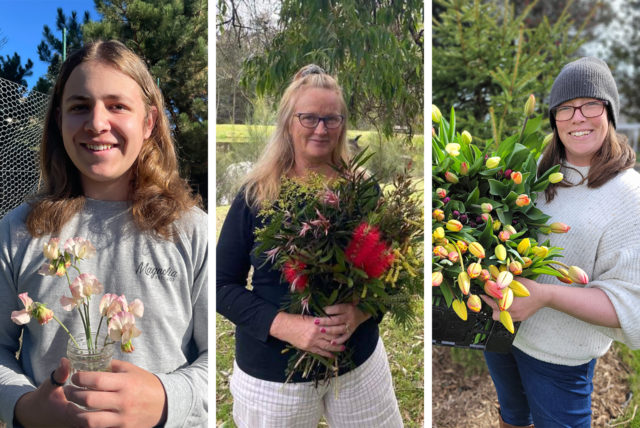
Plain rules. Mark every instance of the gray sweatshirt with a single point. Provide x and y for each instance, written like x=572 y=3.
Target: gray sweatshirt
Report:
x=170 y=277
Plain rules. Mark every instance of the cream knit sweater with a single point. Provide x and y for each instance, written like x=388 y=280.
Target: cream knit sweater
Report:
x=604 y=241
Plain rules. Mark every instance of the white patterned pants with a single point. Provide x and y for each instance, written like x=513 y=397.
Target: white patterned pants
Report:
x=365 y=398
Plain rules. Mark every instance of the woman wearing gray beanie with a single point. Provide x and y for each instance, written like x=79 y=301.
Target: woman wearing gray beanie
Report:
x=546 y=379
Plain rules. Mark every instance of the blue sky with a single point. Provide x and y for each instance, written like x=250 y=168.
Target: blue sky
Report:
x=21 y=23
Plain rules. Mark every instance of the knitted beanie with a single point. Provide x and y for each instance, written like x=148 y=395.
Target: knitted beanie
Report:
x=587 y=77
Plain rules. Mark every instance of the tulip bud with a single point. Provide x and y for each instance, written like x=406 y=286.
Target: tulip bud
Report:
x=440 y=251
x=507 y=322
x=441 y=192
x=516 y=176
x=496 y=225
x=507 y=299
x=436 y=279
x=501 y=252
x=474 y=270
x=438 y=214
x=541 y=251
x=504 y=279
x=494 y=271
x=476 y=249
x=504 y=235
x=578 y=275
x=462 y=246
x=460 y=309
x=451 y=177
x=515 y=267
x=530 y=105
x=484 y=275
x=474 y=303
x=556 y=177
x=492 y=289
x=524 y=246
x=464 y=168
x=486 y=207
x=453 y=256
x=492 y=162
x=510 y=229
x=547 y=139
x=466 y=137
x=558 y=227
x=436 y=116
x=453 y=149
x=438 y=233
x=449 y=247
x=527 y=262
x=523 y=200
x=519 y=290
x=507 y=174
x=486 y=217
x=464 y=283
x=454 y=225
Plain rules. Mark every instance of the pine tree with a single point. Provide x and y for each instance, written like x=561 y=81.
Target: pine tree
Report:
x=171 y=37
x=487 y=61
x=11 y=69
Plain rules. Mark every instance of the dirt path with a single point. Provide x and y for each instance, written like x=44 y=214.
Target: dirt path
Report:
x=471 y=402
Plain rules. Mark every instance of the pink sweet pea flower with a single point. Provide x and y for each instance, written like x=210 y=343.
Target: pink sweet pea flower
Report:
x=82 y=287
x=136 y=308
x=51 y=249
x=80 y=248
x=23 y=316
x=122 y=328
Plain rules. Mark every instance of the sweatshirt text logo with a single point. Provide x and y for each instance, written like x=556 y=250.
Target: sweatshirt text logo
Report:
x=156 y=272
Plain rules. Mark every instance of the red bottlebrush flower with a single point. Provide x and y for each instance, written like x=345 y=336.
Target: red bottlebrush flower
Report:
x=367 y=252
x=293 y=274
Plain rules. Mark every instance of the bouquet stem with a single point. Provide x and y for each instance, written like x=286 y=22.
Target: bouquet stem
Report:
x=67 y=330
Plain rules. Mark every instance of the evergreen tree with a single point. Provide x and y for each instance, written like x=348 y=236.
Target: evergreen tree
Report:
x=487 y=61
x=12 y=69
x=375 y=47
x=624 y=59
x=171 y=37
x=51 y=48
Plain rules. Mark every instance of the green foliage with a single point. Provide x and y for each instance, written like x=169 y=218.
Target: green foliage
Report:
x=12 y=69
x=51 y=48
x=487 y=60
x=171 y=37
x=375 y=48
x=632 y=360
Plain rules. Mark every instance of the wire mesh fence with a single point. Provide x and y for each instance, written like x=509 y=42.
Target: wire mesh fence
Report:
x=21 y=123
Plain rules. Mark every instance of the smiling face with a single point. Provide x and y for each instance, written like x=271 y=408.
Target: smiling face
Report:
x=104 y=123
x=315 y=146
x=582 y=136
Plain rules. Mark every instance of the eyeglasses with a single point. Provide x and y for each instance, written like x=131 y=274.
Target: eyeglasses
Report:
x=310 y=120
x=590 y=109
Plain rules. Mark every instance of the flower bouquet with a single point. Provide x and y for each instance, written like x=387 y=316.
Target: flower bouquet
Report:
x=485 y=225
x=93 y=349
x=345 y=241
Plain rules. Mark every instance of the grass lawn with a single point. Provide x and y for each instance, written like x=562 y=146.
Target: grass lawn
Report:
x=631 y=418
x=404 y=347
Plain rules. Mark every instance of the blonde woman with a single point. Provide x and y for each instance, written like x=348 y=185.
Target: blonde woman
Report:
x=109 y=174
x=310 y=136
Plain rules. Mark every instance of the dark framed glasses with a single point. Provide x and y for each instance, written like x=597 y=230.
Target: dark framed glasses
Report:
x=310 y=120
x=590 y=109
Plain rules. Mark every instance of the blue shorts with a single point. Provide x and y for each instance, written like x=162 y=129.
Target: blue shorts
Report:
x=547 y=395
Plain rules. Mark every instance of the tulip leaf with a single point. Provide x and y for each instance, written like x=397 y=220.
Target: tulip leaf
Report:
x=517 y=157
x=443 y=133
x=545 y=270
x=506 y=146
x=545 y=176
x=445 y=288
x=533 y=126
x=504 y=215
x=511 y=198
x=498 y=188
x=452 y=125
x=536 y=215
x=473 y=196
x=486 y=237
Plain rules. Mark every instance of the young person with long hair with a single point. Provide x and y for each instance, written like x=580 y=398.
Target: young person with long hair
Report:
x=310 y=136
x=109 y=174
x=547 y=378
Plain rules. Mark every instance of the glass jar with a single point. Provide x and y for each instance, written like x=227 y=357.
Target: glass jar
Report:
x=97 y=359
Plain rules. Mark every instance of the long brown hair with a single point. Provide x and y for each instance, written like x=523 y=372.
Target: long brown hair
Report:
x=614 y=155
x=278 y=157
x=158 y=195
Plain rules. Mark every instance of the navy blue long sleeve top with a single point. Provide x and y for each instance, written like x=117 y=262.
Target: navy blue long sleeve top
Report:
x=253 y=310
